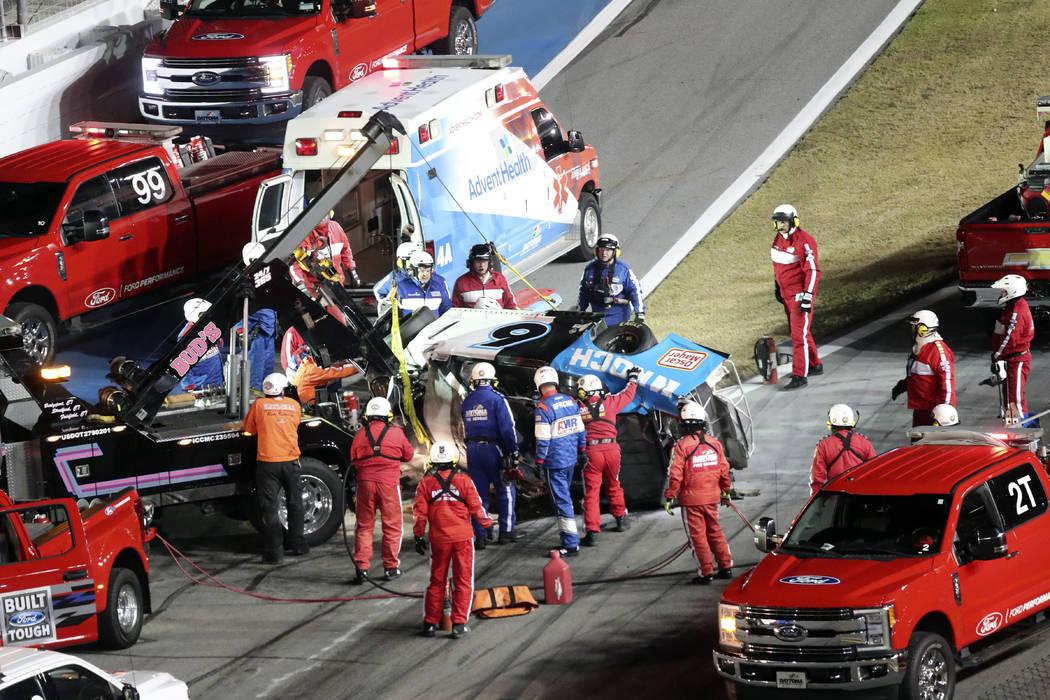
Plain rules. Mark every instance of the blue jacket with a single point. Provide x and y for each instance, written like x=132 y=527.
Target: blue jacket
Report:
x=618 y=281
x=486 y=414
x=411 y=296
x=560 y=434
x=262 y=329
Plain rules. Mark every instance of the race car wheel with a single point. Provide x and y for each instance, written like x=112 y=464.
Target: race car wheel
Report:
x=120 y=623
x=462 y=39
x=315 y=89
x=588 y=226
x=323 y=502
x=931 y=668
x=39 y=331
x=626 y=338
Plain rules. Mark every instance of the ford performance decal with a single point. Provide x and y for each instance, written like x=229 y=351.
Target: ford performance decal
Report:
x=810 y=580
x=218 y=36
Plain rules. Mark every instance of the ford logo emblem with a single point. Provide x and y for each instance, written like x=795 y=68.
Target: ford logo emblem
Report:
x=26 y=619
x=100 y=297
x=206 y=77
x=359 y=71
x=218 y=36
x=810 y=580
x=989 y=623
x=789 y=633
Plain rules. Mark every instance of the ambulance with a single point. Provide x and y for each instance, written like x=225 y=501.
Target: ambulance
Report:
x=481 y=159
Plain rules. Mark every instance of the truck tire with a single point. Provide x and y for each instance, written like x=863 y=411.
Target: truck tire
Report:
x=315 y=89
x=39 y=330
x=589 y=228
x=931 y=668
x=323 y=501
x=462 y=39
x=120 y=623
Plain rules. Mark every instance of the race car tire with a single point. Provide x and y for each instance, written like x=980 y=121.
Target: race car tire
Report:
x=39 y=330
x=120 y=623
x=315 y=89
x=588 y=227
x=931 y=668
x=462 y=39
x=628 y=338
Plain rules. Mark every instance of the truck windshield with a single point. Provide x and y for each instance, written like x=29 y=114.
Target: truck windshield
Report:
x=26 y=208
x=234 y=9
x=837 y=524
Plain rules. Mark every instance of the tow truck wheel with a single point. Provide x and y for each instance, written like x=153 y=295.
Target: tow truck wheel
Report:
x=120 y=623
x=315 y=89
x=323 y=502
x=931 y=668
x=39 y=332
x=462 y=39
x=590 y=228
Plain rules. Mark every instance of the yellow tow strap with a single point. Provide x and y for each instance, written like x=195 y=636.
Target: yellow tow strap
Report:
x=521 y=277
x=399 y=352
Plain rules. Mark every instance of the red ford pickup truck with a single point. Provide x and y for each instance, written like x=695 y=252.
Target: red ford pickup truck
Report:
x=88 y=222
x=71 y=576
x=264 y=61
x=923 y=559
x=1011 y=233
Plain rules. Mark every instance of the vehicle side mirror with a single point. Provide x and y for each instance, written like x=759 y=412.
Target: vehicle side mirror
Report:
x=96 y=225
x=987 y=545
x=576 y=143
x=766 y=537
x=361 y=9
x=169 y=9
x=129 y=693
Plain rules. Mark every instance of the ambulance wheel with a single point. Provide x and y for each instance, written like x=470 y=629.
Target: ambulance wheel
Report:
x=931 y=668
x=462 y=39
x=626 y=338
x=120 y=623
x=323 y=501
x=590 y=228
x=39 y=331
x=315 y=89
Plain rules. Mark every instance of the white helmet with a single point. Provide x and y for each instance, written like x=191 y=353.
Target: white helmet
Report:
x=841 y=416
x=487 y=303
x=545 y=375
x=945 y=414
x=608 y=240
x=924 y=322
x=692 y=411
x=1012 y=286
x=405 y=250
x=420 y=258
x=589 y=385
x=194 y=308
x=786 y=212
x=378 y=407
x=274 y=384
x=443 y=455
x=482 y=372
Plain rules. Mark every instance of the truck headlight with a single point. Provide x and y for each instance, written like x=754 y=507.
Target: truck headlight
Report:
x=878 y=627
x=727 y=626
x=150 y=82
x=278 y=71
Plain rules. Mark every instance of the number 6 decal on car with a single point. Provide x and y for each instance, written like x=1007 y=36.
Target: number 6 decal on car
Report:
x=514 y=334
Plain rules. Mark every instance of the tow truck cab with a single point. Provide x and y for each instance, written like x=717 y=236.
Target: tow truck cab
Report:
x=923 y=559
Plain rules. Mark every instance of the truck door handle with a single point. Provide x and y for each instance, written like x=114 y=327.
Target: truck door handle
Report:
x=74 y=575
x=1011 y=555
x=126 y=237
x=180 y=219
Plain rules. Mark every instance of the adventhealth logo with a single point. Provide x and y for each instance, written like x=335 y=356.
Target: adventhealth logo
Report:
x=499 y=177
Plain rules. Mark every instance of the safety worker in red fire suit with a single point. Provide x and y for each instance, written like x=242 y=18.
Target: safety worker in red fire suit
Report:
x=1011 y=344
x=797 y=274
x=377 y=451
x=931 y=369
x=699 y=476
x=481 y=281
x=842 y=450
x=601 y=463
x=326 y=242
x=560 y=437
x=275 y=419
x=446 y=500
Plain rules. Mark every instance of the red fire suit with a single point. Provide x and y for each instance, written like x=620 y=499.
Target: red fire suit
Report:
x=796 y=271
x=330 y=241
x=931 y=378
x=698 y=474
x=1011 y=342
x=470 y=287
x=842 y=450
x=603 y=455
x=377 y=452
x=448 y=508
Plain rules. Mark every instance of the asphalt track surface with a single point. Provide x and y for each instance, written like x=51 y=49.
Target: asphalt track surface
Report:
x=678 y=97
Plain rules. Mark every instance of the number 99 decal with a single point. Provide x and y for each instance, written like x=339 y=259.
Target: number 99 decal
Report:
x=149 y=186
x=514 y=334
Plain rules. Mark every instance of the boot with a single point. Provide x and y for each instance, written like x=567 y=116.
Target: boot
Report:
x=360 y=578
x=460 y=629
x=704 y=580
x=507 y=537
x=796 y=382
x=488 y=533
x=816 y=370
x=391 y=574
x=590 y=539
x=480 y=542
x=724 y=572
x=622 y=524
x=429 y=629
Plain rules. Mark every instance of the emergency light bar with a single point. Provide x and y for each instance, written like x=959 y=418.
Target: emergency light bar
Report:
x=1019 y=438
x=490 y=61
x=111 y=130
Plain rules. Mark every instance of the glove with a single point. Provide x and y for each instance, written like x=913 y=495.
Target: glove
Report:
x=632 y=374
x=805 y=301
x=899 y=388
x=726 y=499
x=355 y=278
x=776 y=293
x=583 y=460
x=667 y=506
x=421 y=545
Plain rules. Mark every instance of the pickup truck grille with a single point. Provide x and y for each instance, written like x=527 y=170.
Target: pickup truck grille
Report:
x=202 y=96
x=801 y=613
x=210 y=62
x=826 y=634
x=759 y=652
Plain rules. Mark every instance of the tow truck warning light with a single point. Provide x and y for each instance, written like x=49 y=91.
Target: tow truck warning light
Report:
x=350 y=114
x=306 y=147
x=151 y=132
x=55 y=374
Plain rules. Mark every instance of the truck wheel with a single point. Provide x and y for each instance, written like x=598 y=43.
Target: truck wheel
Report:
x=931 y=668
x=120 y=623
x=588 y=227
x=39 y=331
x=462 y=39
x=315 y=89
x=323 y=501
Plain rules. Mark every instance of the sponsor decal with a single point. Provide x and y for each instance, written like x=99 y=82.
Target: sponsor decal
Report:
x=677 y=358
x=1028 y=606
x=27 y=617
x=216 y=437
x=789 y=633
x=989 y=623
x=218 y=36
x=810 y=580
x=100 y=297
x=205 y=77
x=359 y=71
x=65 y=409
x=506 y=173
x=110 y=510
x=616 y=365
x=261 y=277
x=159 y=277
x=408 y=90
x=196 y=350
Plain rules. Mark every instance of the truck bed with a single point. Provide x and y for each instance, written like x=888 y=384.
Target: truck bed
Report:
x=229 y=167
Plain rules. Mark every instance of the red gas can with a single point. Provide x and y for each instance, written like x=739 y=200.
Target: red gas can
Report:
x=557 y=580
